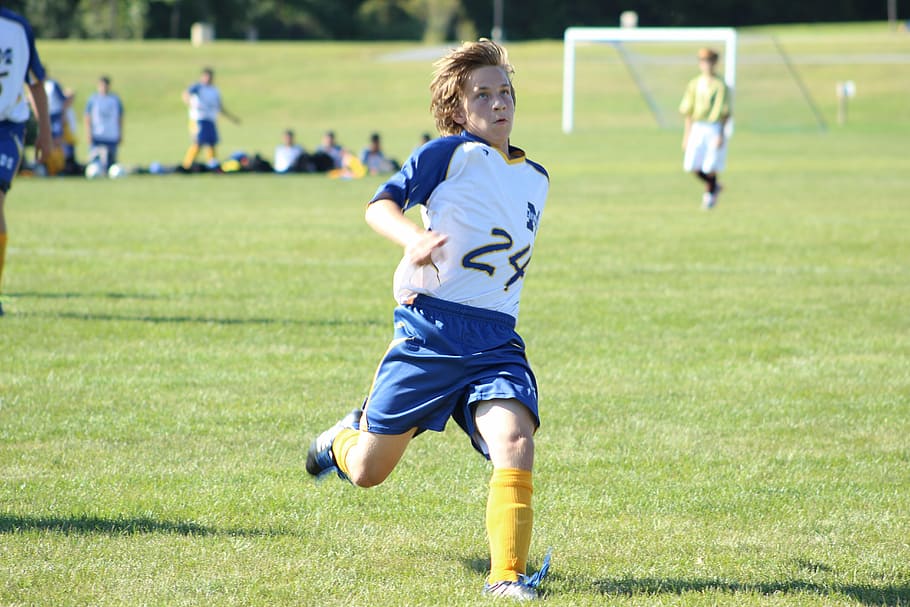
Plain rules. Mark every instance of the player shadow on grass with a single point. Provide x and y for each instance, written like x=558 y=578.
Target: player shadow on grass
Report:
x=203 y=320
x=177 y=319
x=867 y=594
x=77 y=295
x=11 y=524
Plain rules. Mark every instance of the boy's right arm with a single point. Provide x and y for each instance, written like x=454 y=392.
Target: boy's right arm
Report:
x=387 y=219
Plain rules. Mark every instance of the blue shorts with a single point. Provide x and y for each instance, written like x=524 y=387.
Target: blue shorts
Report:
x=56 y=125
x=205 y=133
x=104 y=151
x=12 y=136
x=446 y=358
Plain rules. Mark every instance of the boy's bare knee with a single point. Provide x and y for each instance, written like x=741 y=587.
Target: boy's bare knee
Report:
x=520 y=443
x=514 y=450
x=365 y=481
x=365 y=477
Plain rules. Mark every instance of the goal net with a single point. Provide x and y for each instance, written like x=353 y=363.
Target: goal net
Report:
x=635 y=77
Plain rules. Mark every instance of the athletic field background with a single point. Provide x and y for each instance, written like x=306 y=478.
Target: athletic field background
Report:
x=725 y=396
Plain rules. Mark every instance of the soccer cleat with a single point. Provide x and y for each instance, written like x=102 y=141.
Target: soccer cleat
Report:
x=510 y=590
x=525 y=589
x=319 y=458
x=707 y=200
x=1 y=308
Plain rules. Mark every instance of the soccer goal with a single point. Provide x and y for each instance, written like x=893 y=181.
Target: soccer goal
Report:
x=619 y=37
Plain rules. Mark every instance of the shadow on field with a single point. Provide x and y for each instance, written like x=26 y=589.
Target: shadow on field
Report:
x=74 y=295
x=164 y=319
x=867 y=594
x=113 y=526
x=313 y=322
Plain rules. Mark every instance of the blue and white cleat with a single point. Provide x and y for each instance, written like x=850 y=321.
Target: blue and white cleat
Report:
x=525 y=589
x=707 y=201
x=511 y=590
x=320 y=460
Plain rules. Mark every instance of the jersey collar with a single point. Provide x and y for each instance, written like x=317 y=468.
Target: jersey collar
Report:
x=516 y=154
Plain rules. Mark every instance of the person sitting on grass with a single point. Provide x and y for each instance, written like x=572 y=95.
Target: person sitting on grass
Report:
x=375 y=160
x=288 y=154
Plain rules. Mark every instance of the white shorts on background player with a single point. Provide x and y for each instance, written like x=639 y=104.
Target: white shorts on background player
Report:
x=702 y=153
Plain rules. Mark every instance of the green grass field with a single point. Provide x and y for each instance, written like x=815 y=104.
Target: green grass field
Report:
x=725 y=395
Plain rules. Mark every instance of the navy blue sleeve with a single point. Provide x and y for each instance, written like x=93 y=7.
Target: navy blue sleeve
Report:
x=423 y=171
x=35 y=72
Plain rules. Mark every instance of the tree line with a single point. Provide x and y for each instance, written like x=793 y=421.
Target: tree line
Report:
x=428 y=20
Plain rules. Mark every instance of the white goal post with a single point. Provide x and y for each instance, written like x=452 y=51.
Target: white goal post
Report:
x=575 y=35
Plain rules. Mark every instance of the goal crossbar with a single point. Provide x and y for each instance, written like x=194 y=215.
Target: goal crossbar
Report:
x=576 y=35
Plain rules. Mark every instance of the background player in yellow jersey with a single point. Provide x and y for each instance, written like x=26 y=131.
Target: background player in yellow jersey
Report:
x=706 y=107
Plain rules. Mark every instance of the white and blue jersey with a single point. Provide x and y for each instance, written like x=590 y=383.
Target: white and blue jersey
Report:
x=488 y=206
x=19 y=66
x=205 y=105
x=205 y=101
x=105 y=113
x=56 y=106
x=455 y=343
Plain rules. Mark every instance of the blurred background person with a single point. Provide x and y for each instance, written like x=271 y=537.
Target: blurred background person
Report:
x=104 y=125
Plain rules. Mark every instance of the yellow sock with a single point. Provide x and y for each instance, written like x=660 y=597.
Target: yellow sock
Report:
x=210 y=153
x=342 y=444
x=190 y=157
x=510 y=520
x=2 y=255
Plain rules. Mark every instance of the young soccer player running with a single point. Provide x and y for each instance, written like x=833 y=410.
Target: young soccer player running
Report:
x=455 y=353
x=21 y=79
x=706 y=107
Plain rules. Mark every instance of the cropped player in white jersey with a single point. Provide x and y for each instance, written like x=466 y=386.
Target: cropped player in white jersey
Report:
x=706 y=107
x=57 y=104
x=204 y=102
x=104 y=124
x=21 y=83
x=455 y=353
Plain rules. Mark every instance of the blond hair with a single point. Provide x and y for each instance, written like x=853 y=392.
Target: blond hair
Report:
x=708 y=54
x=451 y=75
